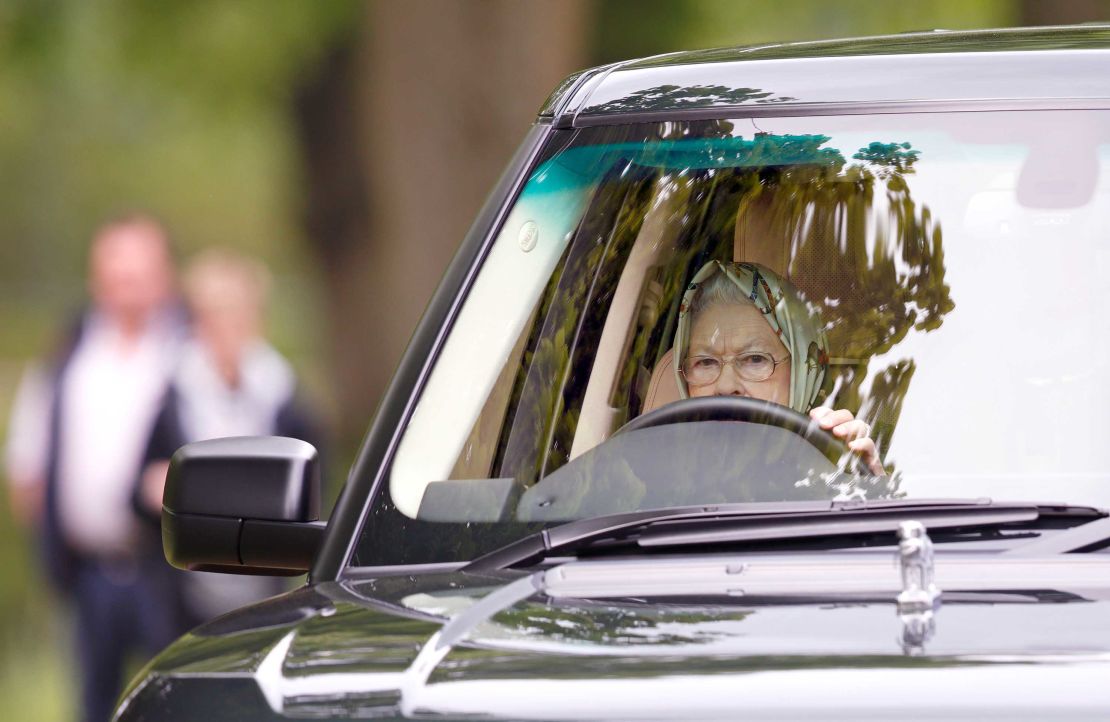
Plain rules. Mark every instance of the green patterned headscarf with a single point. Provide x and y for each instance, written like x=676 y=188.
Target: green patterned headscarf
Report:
x=796 y=323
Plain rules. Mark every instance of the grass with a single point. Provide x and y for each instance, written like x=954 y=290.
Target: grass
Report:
x=37 y=683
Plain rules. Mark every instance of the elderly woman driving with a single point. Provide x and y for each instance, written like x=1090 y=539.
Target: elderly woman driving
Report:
x=743 y=331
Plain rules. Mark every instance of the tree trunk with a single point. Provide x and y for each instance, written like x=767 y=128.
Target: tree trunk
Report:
x=1062 y=12
x=403 y=134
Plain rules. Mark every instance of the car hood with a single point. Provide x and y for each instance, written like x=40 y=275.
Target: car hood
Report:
x=703 y=638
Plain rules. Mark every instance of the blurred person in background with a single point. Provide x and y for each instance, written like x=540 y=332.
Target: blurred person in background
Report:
x=229 y=382
x=77 y=434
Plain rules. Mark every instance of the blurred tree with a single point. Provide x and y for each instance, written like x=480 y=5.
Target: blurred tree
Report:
x=632 y=28
x=176 y=107
x=1059 y=12
x=401 y=139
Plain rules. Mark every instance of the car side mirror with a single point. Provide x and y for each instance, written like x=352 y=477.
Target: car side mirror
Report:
x=243 y=505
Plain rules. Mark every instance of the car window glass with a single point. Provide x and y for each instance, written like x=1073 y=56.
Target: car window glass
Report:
x=957 y=263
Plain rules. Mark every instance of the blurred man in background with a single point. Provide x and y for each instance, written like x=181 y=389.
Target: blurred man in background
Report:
x=78 y=430
x=229 y=381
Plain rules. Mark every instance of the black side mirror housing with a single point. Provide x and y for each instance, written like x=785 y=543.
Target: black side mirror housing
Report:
x=243 y=505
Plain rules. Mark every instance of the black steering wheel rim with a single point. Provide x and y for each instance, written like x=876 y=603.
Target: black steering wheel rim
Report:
x=741 y=408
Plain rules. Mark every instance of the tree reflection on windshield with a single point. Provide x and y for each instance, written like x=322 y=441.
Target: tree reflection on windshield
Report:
x=872 y=265
x=667 y=97
x=874 y=278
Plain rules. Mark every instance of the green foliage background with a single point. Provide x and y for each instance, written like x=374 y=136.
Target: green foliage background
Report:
x=184 y=108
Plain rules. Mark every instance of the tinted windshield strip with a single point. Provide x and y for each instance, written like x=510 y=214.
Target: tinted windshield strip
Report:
x=801 y=110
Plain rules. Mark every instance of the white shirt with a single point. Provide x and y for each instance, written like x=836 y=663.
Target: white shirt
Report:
x=209 y=408
x=112 y=389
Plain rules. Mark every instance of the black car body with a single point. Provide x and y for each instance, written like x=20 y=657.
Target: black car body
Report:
x=697 y=605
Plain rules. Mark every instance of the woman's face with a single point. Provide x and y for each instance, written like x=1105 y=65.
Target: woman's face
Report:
x=727 y=330
x=226 y=319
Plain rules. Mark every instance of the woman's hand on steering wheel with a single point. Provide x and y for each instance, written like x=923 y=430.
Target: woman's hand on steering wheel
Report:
x=853 y=432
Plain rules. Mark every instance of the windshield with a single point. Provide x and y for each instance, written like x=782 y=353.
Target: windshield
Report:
x=937 y=281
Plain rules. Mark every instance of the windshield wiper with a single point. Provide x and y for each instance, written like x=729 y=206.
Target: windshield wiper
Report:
x=762 y=522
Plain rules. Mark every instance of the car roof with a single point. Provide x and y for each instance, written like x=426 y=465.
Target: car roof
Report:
x=1051 y=67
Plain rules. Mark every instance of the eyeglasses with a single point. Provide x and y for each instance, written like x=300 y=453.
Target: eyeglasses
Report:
x=705 y=370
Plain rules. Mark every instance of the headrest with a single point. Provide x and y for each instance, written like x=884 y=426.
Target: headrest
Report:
x=663 y=388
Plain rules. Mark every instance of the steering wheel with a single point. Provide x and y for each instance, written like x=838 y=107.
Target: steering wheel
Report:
x=741 y=408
